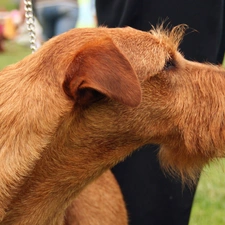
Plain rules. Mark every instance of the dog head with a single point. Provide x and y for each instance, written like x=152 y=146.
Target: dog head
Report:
x=97 y=94
x=130 y=88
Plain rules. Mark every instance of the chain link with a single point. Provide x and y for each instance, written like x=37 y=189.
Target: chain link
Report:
x=30 y=24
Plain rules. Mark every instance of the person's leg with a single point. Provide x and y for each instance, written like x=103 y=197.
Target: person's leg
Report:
x=151 y=197
x=67 y=19
x=45 y=16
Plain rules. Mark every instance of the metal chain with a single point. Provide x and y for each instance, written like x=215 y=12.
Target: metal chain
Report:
x=30 y=24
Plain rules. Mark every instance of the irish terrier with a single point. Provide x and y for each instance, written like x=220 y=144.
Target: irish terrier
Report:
x=85 y=101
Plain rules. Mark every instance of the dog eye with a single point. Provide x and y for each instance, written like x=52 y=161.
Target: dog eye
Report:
x=169 y=64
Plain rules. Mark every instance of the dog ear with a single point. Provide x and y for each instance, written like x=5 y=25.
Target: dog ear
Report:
x=98 y=69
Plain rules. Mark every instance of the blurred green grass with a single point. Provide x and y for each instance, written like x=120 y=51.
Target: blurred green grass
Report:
x=209 y=203
x=8 y=4
x=13 y=53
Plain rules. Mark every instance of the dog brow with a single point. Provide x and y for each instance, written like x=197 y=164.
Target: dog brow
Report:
x=171 y=38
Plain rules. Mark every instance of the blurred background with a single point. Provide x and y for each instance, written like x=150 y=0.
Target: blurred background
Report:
x=209 y=204
x=14 y=37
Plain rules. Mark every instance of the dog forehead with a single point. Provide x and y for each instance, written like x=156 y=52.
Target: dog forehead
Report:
x=123 y=37
x=146 y=52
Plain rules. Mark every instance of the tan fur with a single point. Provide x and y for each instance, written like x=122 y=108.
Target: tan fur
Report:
x=99 y=203
x=85 y=101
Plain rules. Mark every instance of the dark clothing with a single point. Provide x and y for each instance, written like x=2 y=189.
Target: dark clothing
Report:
x=204 y=16
x=152 y=198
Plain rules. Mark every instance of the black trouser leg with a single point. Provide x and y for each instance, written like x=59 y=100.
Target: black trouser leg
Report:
x=152 y=198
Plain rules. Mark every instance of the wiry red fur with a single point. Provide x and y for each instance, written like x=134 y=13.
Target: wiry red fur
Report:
x=85 y=101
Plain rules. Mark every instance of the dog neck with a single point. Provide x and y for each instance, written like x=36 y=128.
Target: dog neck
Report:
x=49 y=192
x=26 y=123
